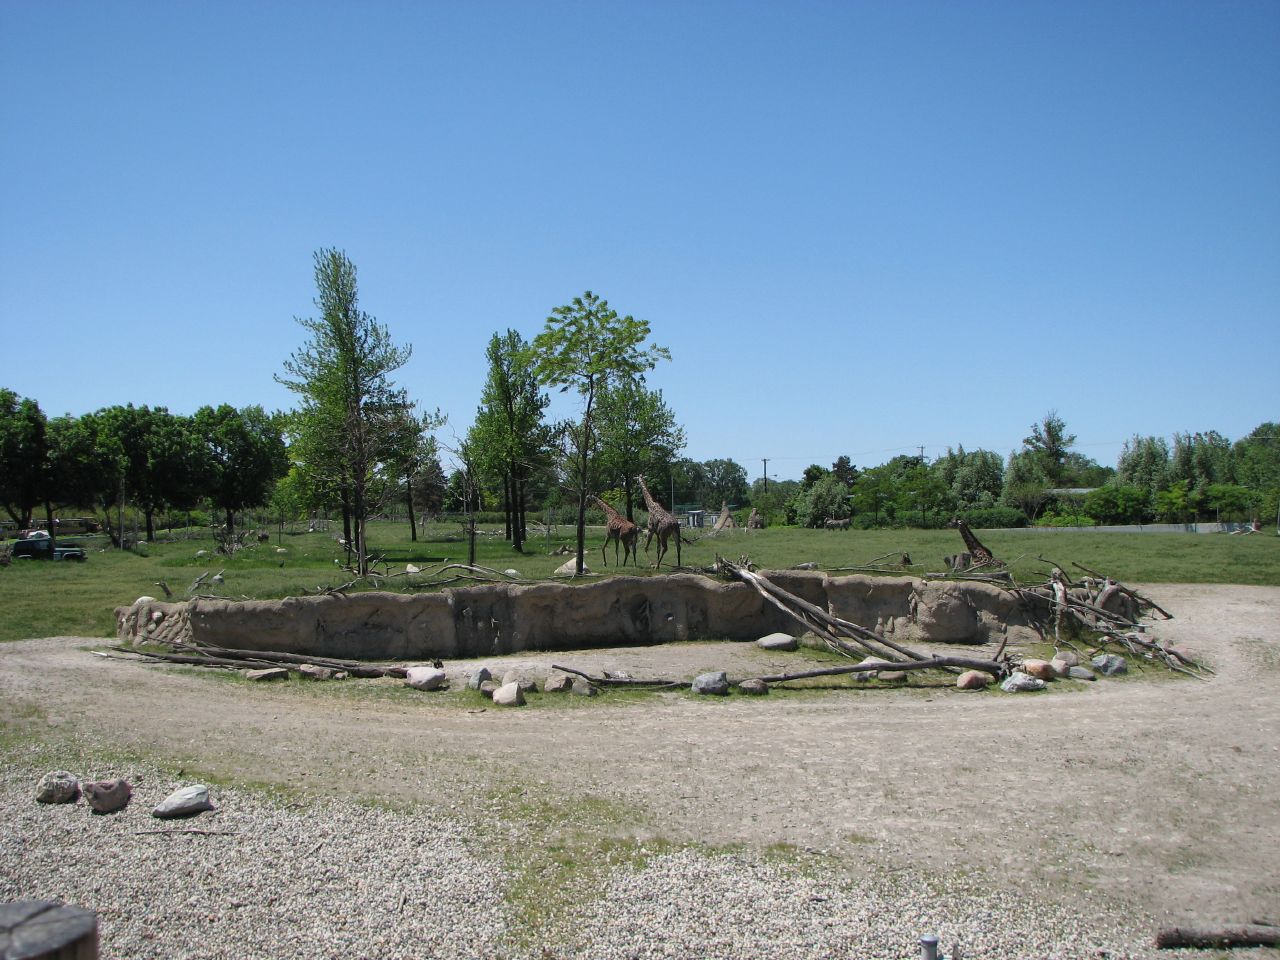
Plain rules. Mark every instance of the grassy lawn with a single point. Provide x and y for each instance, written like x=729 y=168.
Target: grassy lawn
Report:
x=40 y=599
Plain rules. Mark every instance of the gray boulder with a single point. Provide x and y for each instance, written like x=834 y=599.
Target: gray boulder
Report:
x=570 y=569
x=1068 y=657
x=184 y=802
x=715 y=683
x=581 y=688
x=479 y=677
x=1110 y=664
x=58 y=787
x=778 y=641
x=1081 y=673
x=268 y=673
x=754 y=687
x=561 y=683
x=426 y=678
x=487 y=687
x=1018 y=682
x=107 y=796
x=508 y=695
x=311 y=671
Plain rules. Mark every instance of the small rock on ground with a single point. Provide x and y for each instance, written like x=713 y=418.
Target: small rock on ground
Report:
x=60 y=786
x=753 y=687
x=184 y=802
x=973 y=680
x=1017 y=682
x=778 y=641
x=107 y=796
x=715 y=683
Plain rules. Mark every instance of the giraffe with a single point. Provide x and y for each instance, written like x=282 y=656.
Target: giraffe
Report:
x=620 y=531
x=982 y=557
x=661 y=523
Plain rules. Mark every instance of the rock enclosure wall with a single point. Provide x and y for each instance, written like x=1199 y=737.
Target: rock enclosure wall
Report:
x=496 y=619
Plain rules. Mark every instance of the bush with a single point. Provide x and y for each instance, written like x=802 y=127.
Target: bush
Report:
x=1069 y=520
x=994 y=518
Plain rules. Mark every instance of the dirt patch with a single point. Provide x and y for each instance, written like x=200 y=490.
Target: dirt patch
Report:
x=1147 y=791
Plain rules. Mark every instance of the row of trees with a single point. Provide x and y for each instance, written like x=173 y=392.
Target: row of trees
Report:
x=149 y=458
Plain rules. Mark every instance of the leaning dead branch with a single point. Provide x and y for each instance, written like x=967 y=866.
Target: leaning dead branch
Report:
x=1139 y=598
x=608 y=680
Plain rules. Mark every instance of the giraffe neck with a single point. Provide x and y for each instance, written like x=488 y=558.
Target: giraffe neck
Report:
x=970 y=541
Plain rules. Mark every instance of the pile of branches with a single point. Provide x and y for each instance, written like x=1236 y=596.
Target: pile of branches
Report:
x=1106 y=611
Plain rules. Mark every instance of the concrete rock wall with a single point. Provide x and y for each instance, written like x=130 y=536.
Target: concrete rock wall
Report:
x=500 y=618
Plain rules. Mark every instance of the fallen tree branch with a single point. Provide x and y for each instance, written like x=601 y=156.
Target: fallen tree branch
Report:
x=607 y=681
x=1244 y=935
x=1133 y=593
x=195 y=830
x=964 y=663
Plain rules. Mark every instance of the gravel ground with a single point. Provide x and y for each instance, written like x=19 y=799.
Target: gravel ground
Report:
x=336 y=879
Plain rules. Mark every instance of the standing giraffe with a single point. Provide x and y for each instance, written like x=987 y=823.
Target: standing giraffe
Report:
x=621 y=531
x=661 y=523
x=982 y=557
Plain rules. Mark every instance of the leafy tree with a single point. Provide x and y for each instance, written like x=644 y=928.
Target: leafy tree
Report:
x=844 y=471
x=724 y=482
x=511 y=439
x=975 y=478
x=73 y=475
x=23 y=449
x=1144 y=463
x=1025 y=483
x=1116 y=504
x=587 y=346
x=771 y=500
x=1257 y=466
x=685 y=479
x=827 y=499
x=410 y=449
x=638 y=436
x=812 y=474
x=1174 y=503
x=1048 y=445
x=247 y=456
x=1230 y=500
x=351 y=410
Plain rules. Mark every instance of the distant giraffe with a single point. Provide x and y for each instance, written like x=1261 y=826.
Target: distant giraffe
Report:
x=982 y=557
x=755 y=521
x=661 y=523
x=620 y=531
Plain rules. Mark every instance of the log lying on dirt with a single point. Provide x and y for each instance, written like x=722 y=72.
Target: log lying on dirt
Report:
x=611 y=681
x=934 y=663
x=1244 y=935
x=259 y=660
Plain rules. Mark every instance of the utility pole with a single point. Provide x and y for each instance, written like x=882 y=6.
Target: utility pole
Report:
x=766 y=474
x=922 y=454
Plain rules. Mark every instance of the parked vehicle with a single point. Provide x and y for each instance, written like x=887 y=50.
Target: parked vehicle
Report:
x=42 y=548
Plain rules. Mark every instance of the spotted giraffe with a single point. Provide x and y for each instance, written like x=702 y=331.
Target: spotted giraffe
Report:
x=621 y=531
x=982 y=557
x=661 y=524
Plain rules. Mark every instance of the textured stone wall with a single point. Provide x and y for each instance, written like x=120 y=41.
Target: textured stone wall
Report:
x=617 y=611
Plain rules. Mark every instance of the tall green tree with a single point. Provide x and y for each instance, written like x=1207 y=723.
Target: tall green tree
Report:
x=638 y=436
x=1026 y=485
x=587 y=346
x=510 y=435
x=726 y=482
x=1144 y=464
x=23 y=449
x=351 y=409
x=1048 y=445
x=246 y=454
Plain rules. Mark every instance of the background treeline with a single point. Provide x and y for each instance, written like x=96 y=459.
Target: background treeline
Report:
x=357 y=446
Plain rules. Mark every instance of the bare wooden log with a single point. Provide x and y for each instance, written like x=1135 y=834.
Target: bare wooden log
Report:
x=963 y=663
x=607 y=681
x=195 y=660
x=357 y=668
x=1208 y=938
x=41 y=930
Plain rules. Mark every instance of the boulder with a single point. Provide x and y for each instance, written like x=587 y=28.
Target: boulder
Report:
x=715 y=683
x=778 y=641
x=561 y=683
x=870 y=674
x=510 y=677
x=184 y=802
x=511 y=572
x=1068 y=657
x=479 y=677
x=1059 y=667
x=1040 y=669
x=426 y=678
x=1081 y=673
x=107 y=796
x=1017 y=682
x=267 y=673
x=1110 y=664
x=508 y=695
x=58 y=787
x=487 y=687
x=570 y=568
x=581 y=688
x=754 y=687
x=973 y=680
x=311 y=671
x=891 y=676
x=527 y=686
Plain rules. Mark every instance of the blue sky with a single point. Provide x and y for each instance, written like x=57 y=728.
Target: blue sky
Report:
x=860 y=227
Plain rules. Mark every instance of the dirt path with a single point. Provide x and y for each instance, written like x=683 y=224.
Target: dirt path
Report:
x=1159 y=794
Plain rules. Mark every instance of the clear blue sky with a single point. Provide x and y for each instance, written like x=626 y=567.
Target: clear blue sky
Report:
x=860 y=227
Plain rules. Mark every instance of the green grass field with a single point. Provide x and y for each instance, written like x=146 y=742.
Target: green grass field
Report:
x=41 y=598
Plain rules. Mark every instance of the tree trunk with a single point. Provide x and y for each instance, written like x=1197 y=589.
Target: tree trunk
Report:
x=345 y=497
x=413 y=523
x=358 y=521
x=150 y=514
x=231 y=527
x=626 y=492
x=506 y=505
x=517 y=487
x=53 y=530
